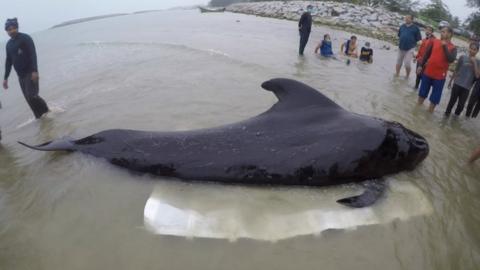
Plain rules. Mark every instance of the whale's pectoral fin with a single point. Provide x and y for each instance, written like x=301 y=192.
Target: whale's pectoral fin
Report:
x=57 y=145
x=374 y=189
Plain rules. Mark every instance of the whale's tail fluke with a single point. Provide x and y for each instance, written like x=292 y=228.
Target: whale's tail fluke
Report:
x=64 y=144
x=374 y=189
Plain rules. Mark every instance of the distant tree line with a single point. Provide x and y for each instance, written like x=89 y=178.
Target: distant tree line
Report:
x=473 y=21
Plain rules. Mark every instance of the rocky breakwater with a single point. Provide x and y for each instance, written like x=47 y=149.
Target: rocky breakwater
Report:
x=373 y=22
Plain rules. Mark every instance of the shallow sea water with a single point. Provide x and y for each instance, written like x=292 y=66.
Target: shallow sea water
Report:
x=181 y=70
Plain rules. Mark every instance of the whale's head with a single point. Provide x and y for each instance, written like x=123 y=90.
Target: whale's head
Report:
x=402 y=149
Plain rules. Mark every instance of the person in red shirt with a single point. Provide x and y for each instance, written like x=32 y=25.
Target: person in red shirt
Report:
x=421 y=51
x=434 y=66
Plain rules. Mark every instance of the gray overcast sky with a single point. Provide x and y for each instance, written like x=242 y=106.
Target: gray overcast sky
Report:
x=36 y=15
x=458 y=8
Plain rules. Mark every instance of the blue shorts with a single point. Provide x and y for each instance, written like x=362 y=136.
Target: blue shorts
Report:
x=437 y=88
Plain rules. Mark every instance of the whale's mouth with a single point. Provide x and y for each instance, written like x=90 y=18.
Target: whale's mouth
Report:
x=418 y=150
x=403 y=147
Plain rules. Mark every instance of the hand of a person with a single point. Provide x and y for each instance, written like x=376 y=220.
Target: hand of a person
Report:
x=34 y=76
x=473 y=59
x=419 y=70
x=444 y=42
x=450 y=84
x=5 y=84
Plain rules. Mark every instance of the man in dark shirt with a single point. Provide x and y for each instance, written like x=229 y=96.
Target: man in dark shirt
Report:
x=409 y=35
x=305 y=27
x=21 y=54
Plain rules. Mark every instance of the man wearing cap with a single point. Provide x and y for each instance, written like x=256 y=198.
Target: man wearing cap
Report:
x=305 y=27
x=21 y=54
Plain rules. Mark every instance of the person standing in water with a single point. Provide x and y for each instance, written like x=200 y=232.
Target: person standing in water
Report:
x=325 y=47
x=22 y=55
x=473 y=107
x=421 y=51
x=366 y=53
x=349 y=48
x=305 y=27
x=409 y=35
x=466 y=72
x=435 y=65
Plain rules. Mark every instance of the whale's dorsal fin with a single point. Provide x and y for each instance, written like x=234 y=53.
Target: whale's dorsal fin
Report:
x=293 y=93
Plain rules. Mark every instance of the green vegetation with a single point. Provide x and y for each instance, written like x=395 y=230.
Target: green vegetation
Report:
x=473 y=21
x=437 y=11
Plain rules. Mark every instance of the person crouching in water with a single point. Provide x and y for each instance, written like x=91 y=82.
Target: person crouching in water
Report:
x=366 y=53
x=325 y=47
x=22 y=55
x=421 y=51
x=434 y=66
x=466 y=72
x=349 y=48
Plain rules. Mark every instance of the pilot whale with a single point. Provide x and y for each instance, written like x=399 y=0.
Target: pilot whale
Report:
x=304 y=139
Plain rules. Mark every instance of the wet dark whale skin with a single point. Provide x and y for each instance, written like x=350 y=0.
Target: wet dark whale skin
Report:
x=304 y=139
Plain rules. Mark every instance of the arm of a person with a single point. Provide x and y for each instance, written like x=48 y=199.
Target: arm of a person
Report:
x=455 y=73
x=32 y=53
x=318 y=47
x=477 y=69
x=301 y=21
x=8 y=66
x=451 y=56
x=342 y=47
x=475 y=155
x=355 y=51
x=418 y=35
x=421 y=48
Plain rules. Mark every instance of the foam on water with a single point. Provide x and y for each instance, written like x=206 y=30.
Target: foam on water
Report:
x=26 y=123
x=54 y=109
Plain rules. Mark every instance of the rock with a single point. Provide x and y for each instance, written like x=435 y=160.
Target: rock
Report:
x=373 y=18
x=376 y=22
x=334 y=13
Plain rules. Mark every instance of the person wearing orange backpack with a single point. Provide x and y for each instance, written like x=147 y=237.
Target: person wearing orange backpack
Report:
x=421 y=51
x=434 y=67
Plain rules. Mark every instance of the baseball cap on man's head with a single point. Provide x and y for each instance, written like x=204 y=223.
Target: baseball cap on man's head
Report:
x=11 y=23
